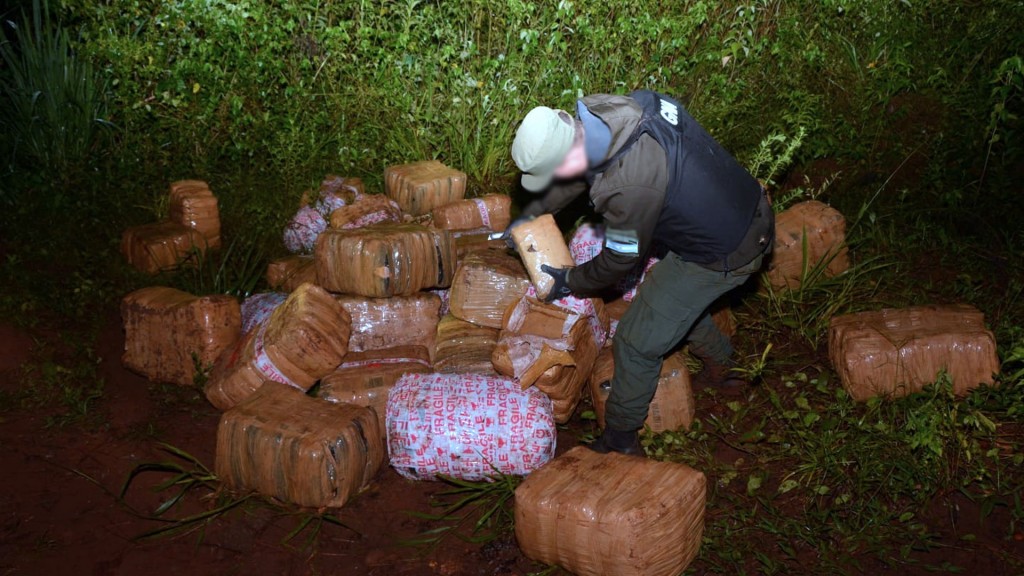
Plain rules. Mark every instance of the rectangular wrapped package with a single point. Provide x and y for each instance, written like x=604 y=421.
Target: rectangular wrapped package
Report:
x=540 y=242
x=895 y=352
x=672 y=407
x=467 y=426
x=464 y=348
x=193 y=205
x=382 y=323
x=167 y=332
x=288 y=273
x=284 y=444
x=491 y=212
x=160 y=246
x=822 y=228
x=467 y=243
x=420 y=187
x=366 y=210
x=384 y=260
x=484 y=286
x=552 y=347
x=602 y=514
x=303 y=340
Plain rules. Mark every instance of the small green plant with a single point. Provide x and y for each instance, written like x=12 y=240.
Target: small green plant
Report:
x=54 y=102
x=478 y=512
x=235 y=270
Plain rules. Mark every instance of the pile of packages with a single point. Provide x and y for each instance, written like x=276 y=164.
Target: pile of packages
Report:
x=402 y=329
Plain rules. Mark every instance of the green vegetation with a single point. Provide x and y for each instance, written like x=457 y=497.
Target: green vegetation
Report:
x=903 y=115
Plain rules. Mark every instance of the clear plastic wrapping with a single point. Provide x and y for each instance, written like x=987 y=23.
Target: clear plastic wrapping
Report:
x=381 y=323
x=167 y=331
x=193 y=205
x=540 y=242
x=420 y=187
x=366 y=210
x=160 y=246
x=467 y=426
x=895 y=352
x=303 y=340
x=825 y=230
x=485 y=284
x=463 y=347
x=289 y=446
x=290 y=272
x=384 y=260
x=599 y=514
x=491 y=212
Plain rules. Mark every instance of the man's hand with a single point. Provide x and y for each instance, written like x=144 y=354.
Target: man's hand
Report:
x=561 y=287
x=507 y=234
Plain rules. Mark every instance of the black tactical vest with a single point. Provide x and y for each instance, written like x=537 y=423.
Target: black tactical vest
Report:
x=711 y=199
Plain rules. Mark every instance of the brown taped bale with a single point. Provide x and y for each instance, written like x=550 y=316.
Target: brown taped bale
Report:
x=551 y=348
x=609 y=514
x=288 y=273
x=193 y=205
x=365 y=378
x=486 y=283
x=366 y=210
x=540 y=242
x=420 y=187
x=286 y=445
x=825 y=231
x=383 y=323
x=464 y=348
x=167 y=332
x=492 y=212
x=384 y=260
x=467 y=243
x=160 y=246
x=895 y=352
x=672 y=407
x=303 y=340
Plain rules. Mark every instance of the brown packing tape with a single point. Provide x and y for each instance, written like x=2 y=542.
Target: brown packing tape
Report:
x=284 y=444
x=419 y=187
x=582 y=511
x=383 y=323
x=895 y=352
x=160 y=246
x=825 y=231
x=384 y=209
x=303 y=340
x=167 y=331
x=485 y=285
x=492 y=212
x=384 y=260
x=540 y=242
x=464 y=348
x=288 y=273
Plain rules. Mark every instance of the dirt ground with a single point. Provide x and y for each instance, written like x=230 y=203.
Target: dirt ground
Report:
x=59 y=513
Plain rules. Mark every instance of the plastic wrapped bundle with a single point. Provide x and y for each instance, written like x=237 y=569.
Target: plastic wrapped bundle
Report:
x=422 y=186
x=467 y=243
x=467 y=426
x=491 y=212
x=895 y=352
x=193 y=205
x=256 y=309
x=825 y=231
x=540 y=242
x=672 y=407
x=303 y=340
x=160 y=246
x=600 y=514
x=485 y=285
x=286 y=445
x=365 y=378
x=366 y=210
x=384 y=260
x=382 y=323
x=464 y=348
x=337 y=191
x=302 y=232
x=290 y=272
x=551 y=348
x=167 y=332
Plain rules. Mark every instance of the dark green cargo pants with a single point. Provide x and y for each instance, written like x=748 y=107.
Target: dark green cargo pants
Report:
x=671 y=304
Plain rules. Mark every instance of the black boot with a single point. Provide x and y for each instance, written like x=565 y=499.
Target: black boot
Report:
x=610 y=440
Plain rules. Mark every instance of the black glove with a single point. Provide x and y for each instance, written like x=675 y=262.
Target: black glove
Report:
x=561 y=286
x=507 y=234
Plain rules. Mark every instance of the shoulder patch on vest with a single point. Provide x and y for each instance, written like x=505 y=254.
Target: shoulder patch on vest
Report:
x=623 y=242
